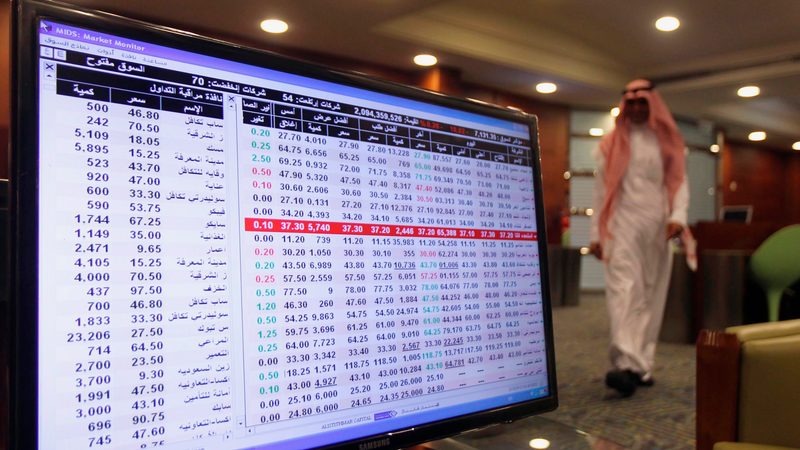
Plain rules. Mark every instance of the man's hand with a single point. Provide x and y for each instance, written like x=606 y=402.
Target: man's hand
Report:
x=674 y=230
x=596 y=249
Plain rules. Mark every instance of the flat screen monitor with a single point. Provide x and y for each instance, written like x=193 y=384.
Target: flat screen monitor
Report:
x=220 y=248
x=736 y=213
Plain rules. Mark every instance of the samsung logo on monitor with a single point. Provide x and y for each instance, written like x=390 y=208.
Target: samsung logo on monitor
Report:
x=374 y=444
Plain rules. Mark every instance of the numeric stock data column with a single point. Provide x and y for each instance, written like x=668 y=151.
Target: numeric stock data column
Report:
x=141 y=247
x=378 y=262
x=289 y=317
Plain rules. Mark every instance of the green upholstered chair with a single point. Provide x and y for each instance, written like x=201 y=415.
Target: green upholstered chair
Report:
x=747 y=395
x=776 y=265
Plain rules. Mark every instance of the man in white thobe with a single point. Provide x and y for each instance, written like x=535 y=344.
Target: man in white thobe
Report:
x=640 y=203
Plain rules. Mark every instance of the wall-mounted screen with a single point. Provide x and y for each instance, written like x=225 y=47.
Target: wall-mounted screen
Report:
x=220 y=248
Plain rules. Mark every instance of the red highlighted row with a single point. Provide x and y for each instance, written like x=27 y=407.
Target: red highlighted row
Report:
x=366 y=229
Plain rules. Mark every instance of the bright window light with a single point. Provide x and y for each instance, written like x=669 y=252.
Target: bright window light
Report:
x=596 y=131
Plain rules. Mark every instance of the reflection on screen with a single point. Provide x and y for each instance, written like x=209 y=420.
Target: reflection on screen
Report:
x=231 y=256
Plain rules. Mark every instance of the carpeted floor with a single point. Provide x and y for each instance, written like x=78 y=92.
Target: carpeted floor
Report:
x=659 y=417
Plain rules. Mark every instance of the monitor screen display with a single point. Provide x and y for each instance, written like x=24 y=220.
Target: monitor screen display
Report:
x=226 y=249
x=738 y=213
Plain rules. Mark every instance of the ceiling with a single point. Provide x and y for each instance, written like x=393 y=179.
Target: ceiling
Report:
x=589 y=48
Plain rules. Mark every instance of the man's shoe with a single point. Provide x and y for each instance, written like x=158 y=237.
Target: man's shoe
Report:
x=622 y=381
x=642 y=382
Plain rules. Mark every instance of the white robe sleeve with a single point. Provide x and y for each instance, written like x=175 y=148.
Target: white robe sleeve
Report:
x=680 y=205
x=598 y=197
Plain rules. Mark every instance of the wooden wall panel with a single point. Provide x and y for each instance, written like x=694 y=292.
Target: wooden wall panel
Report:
x=5 y=112
x=757 y=175
x=5 y=90
x=792 y=186
x=441 y=79
x=554 y=143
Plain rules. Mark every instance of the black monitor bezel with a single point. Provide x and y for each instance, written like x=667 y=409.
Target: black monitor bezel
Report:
x=23 y=163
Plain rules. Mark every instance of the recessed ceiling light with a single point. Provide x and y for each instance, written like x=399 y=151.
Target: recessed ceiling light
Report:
x=668 y=23
x=615 y=111
x=796 y=146
x=425 y=60
x=596 y=131
x=757 y=136
x=714 y=148
x=546 y=88
x=274 y=26
x=748 y=91
x=540 y=443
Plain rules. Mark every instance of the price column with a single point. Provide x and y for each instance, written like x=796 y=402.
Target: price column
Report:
x=354 y=277
x=145 y=287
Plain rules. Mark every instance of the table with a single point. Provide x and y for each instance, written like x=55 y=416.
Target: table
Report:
x=724 y=285
x=565 y=275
